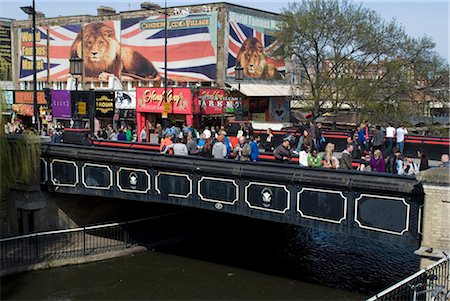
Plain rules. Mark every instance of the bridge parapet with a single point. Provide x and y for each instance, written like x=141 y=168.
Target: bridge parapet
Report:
x=436 y=214
x=384 y=207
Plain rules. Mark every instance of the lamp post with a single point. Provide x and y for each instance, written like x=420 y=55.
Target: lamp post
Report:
x=76 y=69
x=239 y=76
x=148 y=7
x=30 y=10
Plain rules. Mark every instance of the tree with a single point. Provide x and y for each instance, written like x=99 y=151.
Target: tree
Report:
x=343 y=53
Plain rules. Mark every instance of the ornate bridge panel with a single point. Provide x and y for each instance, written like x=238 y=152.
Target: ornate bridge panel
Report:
x=382 y=213
x=322 y=205
x=371 y=205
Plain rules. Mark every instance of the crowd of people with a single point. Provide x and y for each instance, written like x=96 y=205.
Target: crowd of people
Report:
x=379 y=152
x=382 y=151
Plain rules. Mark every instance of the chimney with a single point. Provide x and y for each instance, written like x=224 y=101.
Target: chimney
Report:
x=149 y=6
x=105 y=10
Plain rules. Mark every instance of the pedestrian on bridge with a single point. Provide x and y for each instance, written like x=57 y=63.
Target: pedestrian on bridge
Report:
x=282 y=152
x=346 y=159
x=377 y=161
x=219 y=150
x=242 y=150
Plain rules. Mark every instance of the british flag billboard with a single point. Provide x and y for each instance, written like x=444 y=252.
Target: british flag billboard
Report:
x=191 y=44
x=61 y=39
x=251 y=41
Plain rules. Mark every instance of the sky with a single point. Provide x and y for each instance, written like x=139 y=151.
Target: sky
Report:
x=417 y=17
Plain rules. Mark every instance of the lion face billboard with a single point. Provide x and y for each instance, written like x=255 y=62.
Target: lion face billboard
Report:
x=253 y=48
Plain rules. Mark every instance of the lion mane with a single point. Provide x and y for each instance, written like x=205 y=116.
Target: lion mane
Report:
x=255 y=63
x=101 y=52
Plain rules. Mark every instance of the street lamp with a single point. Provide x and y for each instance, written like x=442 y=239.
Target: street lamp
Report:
x=76 y=69
x=151 y=7
x=239 y=76
x=30 y=10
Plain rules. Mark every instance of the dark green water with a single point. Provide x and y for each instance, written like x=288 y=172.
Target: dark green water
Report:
x=228 y=257
x=158 y=276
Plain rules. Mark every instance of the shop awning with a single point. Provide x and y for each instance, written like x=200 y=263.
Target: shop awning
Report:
x=264 y=89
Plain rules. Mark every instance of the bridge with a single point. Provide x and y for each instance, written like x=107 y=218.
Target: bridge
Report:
x=376 y=206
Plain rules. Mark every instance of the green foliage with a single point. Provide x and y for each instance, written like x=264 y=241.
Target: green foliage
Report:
x=19 y=156
x=344 y=54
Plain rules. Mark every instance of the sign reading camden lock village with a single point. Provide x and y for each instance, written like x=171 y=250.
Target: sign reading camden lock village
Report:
x=104 y=104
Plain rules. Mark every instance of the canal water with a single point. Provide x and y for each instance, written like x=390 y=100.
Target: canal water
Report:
x=227 y=257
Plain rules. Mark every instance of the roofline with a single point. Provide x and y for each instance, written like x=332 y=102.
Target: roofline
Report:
x=140 y=10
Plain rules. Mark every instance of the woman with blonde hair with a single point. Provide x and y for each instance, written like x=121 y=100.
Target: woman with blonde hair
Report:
x=377 y=161
x=330 y=161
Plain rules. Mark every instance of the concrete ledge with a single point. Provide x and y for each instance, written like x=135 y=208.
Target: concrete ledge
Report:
x=432 y=253
x=439 y=176
x=72 y=261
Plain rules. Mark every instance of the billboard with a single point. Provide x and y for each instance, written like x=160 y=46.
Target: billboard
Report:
x=61 y=39
x=125 y=100
x=5 y=51
x=251 y=41
x=61 y=104
x=191 y=45
x=104 y=104
x=26 y=54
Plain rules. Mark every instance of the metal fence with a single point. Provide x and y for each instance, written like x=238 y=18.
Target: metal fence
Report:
x=432 y=283
x=64 y=244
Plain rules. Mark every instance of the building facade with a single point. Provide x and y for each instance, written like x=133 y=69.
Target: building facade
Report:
x=125 y=51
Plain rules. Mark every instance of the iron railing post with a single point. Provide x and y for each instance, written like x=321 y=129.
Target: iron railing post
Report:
x=36 y=241
x=84 y=241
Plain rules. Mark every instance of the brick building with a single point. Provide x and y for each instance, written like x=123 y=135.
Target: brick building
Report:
x=125 y=51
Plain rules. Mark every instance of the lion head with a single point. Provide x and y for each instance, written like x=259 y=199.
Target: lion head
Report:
x=101 y=50
x=252 y=58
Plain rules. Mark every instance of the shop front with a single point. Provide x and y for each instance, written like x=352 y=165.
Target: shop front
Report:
x=266 y=105
x=151 y=107
x=23 y=106
x=184 y=105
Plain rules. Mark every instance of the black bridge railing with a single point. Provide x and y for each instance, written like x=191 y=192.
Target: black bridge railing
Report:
x=432 y=283
x=77 y=242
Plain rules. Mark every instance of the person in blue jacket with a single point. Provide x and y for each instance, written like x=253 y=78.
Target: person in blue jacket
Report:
x=254 y=155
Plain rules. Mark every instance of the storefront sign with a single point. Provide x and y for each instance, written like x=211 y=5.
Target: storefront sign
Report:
x=61 y=107
x=26 y=97
x=77 y=97
x=152 y=100
x=104 y=104
x=215 y=101
x=82 y=108
x=125 y=100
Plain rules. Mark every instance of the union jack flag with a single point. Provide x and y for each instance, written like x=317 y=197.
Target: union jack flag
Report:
x=60 y=41
x=191 y=54
x=238 y=34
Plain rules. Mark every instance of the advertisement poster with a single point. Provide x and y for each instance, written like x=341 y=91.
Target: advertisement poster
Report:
x=61 y=39
x=26 y=54
x=125 y=100
x=9 y=97
x=151 y=100
x=26 y=97
x=79 y=97
x=5 y=51
x=191 y=50
x=279 y=109
x=251 y=42
x=61 y=107
x=98 y=45
x=104 y=104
